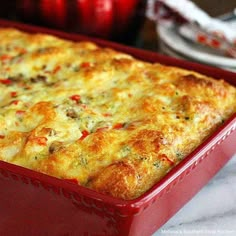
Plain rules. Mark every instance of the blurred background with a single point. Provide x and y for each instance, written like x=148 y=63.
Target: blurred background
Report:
x=214 y=8
x=117 y=20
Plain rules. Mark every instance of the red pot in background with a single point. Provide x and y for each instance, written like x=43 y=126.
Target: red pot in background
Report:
x=117 y=20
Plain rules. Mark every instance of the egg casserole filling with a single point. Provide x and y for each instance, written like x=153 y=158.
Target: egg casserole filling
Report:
x=98 y=117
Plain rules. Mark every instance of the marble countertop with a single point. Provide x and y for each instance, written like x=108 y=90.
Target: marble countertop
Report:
x=211 y=212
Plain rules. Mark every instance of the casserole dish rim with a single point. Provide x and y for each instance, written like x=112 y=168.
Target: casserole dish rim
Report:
x=134 y=205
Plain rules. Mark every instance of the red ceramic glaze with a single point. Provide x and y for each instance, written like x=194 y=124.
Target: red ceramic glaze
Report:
x=113 y=19
x=103 y=17
x=84 y=18
x=32 y=203
x=123 y=11
x=54 y=12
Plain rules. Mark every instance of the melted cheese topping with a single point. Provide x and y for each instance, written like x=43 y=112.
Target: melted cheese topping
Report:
x=99 y=117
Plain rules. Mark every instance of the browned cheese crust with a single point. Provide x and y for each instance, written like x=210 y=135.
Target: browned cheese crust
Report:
x=100 y=117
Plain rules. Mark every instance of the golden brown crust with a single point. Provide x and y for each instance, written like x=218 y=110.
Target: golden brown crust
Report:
x=112 y=123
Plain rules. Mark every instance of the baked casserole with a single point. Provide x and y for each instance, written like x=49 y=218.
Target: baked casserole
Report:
x=98 y=117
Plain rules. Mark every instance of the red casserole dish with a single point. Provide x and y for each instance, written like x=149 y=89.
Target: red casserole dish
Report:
x=32 y=203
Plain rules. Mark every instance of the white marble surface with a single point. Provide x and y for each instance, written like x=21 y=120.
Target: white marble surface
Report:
x=211 y=212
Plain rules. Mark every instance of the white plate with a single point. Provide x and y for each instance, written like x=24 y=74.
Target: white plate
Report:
x=168 y=51
x=191 y=50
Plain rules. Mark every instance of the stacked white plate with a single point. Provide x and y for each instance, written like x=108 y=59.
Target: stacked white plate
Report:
x=173 y=44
